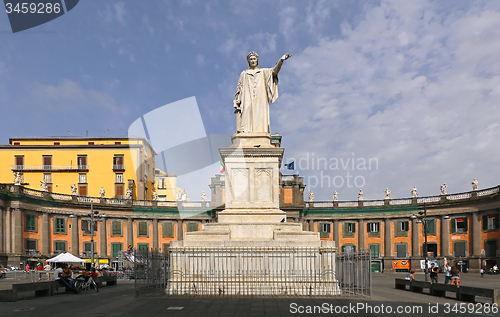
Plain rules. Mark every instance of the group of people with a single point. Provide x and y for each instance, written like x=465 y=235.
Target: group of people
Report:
x=452 y=274
x=64 y=276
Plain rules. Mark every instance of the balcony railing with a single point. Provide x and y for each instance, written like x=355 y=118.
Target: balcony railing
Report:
x=118 y=167
x=56 y=168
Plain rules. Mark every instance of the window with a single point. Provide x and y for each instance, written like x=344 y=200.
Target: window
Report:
x=47 y=162
x=459 y=225
x=116 y=228
x=82 y=162
x=60 y=246
x=162 y=183
x=491 y=247
x=17 y=143
x=83 y=178
x=119 y=191
x=119 y=178
x=192 y=226
x=87 y=247
x=19 y=162
x=116 y=247
x=118 y=143
x=91 y=143
x=431 y=226
x=118 y=162
x=30 y=223
x=82 y=190
x=57 y=143
x=168 y=230
x=143 y=247
x=373 y=227
x=31 y=244
x=47 y=177
x=402 y=228
x=348 y=248
x=349 y=229
x=490 y=222
x=60 y=225
x=375 y=250
x=142 y=229
x=324 y=230
x=460 y=248
x=86 y=225
x=401 y=250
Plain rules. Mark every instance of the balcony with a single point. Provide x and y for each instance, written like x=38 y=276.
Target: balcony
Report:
x=31 y=252
x=50 y=168
x=118 y=167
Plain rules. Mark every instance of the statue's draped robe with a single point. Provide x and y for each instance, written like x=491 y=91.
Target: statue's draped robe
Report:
x=256 y=89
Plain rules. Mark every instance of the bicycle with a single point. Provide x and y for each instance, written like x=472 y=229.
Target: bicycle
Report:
x=82 y=284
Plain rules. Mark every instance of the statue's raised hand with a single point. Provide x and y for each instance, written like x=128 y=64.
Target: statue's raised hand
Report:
x=286 y=56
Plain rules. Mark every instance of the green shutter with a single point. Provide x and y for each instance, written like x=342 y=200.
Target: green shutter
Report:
x=466 y=220
x=453 y=225
x=431 y=226
x=168 y=230
x=343 y=249
x=497 y=225
x=117 y=247
x=353 y=248
x=485 y=222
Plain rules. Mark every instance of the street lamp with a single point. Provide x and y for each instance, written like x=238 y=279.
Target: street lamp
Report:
x=422 y=218
x=94 y=218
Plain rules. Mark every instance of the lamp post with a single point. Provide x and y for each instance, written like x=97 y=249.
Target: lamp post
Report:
x=422 y=218
x=94 y=218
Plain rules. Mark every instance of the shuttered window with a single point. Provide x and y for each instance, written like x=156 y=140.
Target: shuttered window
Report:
x=168 y=230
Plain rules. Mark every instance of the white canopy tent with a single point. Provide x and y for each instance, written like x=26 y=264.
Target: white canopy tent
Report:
x=66 y=257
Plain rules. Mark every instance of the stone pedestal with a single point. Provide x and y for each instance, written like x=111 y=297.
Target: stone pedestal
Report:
x=252 y=216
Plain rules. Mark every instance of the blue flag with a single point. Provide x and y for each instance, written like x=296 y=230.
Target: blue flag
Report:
x=290 y=166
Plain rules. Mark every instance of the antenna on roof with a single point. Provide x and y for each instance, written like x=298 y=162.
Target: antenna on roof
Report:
x=67 y=132
x=87 y=134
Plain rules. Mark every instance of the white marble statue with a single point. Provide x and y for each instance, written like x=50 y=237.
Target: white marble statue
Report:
x=129 y=193
x=73 y=190
x=443 y=189
x=102 y=192
x=184 y=196
x=178 y=196
x=154 y=197
x=387 y=193
x=44 y=186
x=257 y=87
x=414 y=192
x=360 y=195
x=475 y=183
x=335 y=196
x=18 y=179
x=203 y=196
x=311 y=196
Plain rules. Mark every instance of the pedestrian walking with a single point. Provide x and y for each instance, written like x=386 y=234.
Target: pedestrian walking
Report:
x=447 y=276
x=455 y=276
x=434 y=273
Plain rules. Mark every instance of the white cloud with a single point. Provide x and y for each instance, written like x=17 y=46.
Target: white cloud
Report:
x=200 y=60
x=410 y=85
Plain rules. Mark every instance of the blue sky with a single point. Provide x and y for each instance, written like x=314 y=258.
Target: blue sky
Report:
x=411 y=85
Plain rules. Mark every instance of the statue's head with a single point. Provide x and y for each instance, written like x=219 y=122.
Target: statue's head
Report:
x=253 y=59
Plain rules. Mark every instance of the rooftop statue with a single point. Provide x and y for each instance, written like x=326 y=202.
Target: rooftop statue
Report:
x=257 y=87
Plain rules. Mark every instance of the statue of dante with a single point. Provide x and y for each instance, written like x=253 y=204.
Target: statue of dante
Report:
x=257 y=87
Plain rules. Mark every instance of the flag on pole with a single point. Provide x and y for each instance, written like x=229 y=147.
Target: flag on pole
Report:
x=222 y=167
x=290 y=166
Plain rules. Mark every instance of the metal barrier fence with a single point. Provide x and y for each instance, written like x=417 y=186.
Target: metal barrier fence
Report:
x=151 y=272
x=353 y=271
x=233 y=271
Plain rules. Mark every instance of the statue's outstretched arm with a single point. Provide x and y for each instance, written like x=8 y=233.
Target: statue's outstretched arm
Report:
x=277 y=67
